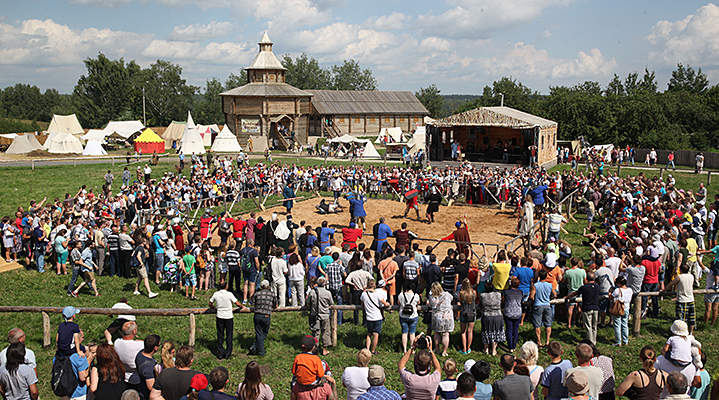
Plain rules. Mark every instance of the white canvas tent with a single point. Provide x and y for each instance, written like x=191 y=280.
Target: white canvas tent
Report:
x=173 y=133
x=347 y=139
x=391 y=135
x=64 y=143
x=23 y=144
x=226 y=141
x=95 y=135
x=206 y=131
x=370 y=153
x=9 y=135
x=417 y=141
x=191 y=141
x=256 y=144
x=65 y=124
x=608 y=148
x=124 y=129
x=94 y=148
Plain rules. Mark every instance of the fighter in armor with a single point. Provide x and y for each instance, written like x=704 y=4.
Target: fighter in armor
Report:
x=434 y=199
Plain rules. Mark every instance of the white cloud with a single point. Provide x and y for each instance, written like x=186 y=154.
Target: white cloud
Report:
x=524 y=60
x=102 y=3
x=471 y=19
x=394 y=21
x=692 y=40
x=200 y=32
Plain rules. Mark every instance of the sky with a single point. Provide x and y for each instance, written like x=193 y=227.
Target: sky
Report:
x=459 y=45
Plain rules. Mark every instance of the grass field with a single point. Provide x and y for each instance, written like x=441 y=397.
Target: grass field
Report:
x=29 y=288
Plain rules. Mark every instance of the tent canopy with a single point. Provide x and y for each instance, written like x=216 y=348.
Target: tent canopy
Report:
x=124 y=129
x=391 y=135
x=417 y=141
x=173 y=133
x=257 y=144
x=347 y=139
x=65 y=124
x=64 y=143
x=149 y=136
x=23 y=144
x=192 y=141
x=207 y=131
x=226 y=141
x=370 y=153
x=94 y=134
x=94 y=148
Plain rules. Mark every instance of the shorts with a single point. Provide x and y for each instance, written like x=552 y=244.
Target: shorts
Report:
x=542 y=317
x=191 y=280
x=142 y=271
x=711 y=298
x=465 y=320
x=374 y=327
x=409 y=325
x=390 y=288
x=603 y=304
x=250 y=275
x=686 y=312
x=89 y=276
x=116 y=325
x=712 y=234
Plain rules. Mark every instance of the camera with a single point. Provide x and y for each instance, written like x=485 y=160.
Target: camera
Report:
x=421 y=341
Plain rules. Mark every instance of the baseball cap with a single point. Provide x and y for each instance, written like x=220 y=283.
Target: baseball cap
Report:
x=375 y=375
x=199 y=382
x=265 y=283
x=69 y=311
x=308 y=343
x=577 y=382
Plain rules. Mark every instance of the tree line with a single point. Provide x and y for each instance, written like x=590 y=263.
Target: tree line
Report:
x=114 y=89
x=629 y=111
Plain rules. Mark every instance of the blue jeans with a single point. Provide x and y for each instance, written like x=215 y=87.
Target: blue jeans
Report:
x=40 y=259
x=75 y=273
x=651 y=287
x=114 y=262
x=159 y=263
x=262 y=329
x=512 y=331
x=337 y=295
x=621 y=327
x=672 y=164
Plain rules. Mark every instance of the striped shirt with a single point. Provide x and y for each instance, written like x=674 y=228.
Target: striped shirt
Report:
x=410 y=269
x=232 y=258
x=265 y=301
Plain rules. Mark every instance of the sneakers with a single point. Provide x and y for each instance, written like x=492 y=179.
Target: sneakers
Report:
x=73 y=294
x=152 y=295
x=136 y=293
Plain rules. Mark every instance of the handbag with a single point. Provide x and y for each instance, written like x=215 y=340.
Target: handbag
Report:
x=617 y=307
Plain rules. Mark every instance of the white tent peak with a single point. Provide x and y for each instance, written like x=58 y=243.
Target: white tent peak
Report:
x=94 y=148
x=65 y=124
x=192 y=141
x=370 y=152
x=23 y=144
x=226 y=141
x=63 y=143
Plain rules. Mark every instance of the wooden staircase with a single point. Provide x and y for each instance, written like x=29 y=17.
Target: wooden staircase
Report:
x=331 y=131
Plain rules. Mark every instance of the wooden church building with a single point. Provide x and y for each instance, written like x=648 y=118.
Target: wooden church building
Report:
x=267 y=105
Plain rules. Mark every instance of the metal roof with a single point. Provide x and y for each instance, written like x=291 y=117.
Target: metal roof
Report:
x=332 y=102
x=265 y=59
x=495 y=116
x=267 y=90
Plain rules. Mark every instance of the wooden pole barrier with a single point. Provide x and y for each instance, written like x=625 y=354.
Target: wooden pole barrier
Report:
x=709 y=177
x=45 y=330
x=333 y=326
x=637 y=315
x=191 y=338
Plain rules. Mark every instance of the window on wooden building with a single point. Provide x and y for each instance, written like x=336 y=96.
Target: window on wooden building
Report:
x=357 y=120
x=401 y=119
x=387 y=119
x=342 y=120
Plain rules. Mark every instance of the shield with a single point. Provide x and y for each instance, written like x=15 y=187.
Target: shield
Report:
x=411 y=194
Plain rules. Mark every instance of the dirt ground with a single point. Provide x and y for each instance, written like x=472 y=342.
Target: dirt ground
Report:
x=486 y=225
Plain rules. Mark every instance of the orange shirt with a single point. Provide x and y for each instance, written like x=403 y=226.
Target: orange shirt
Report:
x=388 y=268
x=307 y=368
x=554 y=276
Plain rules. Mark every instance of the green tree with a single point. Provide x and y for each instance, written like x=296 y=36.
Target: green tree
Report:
x=685 y=79
x=350 y=76
x=432 y=100
x=209 y=110
x=23 y=101
x=105 y=92
x=168 y=96
x=234 y=81
x=305 y=73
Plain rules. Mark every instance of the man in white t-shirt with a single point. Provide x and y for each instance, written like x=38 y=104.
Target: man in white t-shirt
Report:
x=355 y=378
x=595 y=375
x=127 y=348
x=120 y=320
x=690 y=372
x=223 y=301
x=373 y=301
x=612 y=262
x=16 y=335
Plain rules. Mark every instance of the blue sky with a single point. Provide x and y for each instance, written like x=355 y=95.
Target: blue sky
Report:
x=460 y=45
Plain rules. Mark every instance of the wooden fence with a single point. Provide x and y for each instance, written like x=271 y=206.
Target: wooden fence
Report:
x=191 y=313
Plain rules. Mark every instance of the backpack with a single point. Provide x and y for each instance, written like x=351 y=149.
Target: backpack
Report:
x=63 y=379
x=245 y=262
x=715 y=225
x=224 y=227
x=268 y=270
x=408 y=308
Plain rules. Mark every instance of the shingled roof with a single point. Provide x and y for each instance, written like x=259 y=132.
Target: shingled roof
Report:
x=334 y=102
x=267 y=90
x=495 y=116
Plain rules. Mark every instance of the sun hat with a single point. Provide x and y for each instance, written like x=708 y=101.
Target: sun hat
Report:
x=577 y=382
x=380 y=283
x=680 y=328
x=468 y=365
x=69 y=311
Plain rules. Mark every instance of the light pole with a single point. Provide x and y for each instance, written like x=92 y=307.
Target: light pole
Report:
x=144 y=118
x=501 y=102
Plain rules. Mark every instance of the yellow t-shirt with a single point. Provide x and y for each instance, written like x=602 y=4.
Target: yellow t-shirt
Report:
x=501 y=275
x=692 y=246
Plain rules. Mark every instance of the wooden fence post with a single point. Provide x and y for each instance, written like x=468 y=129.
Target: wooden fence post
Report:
x=333 y=326
x=637 y=315
x=32 y=162
x=661 y=173
x=709 y=177
x=191 y=339
x=45 y=330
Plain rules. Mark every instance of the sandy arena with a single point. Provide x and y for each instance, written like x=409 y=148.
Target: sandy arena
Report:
x=486 y=225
